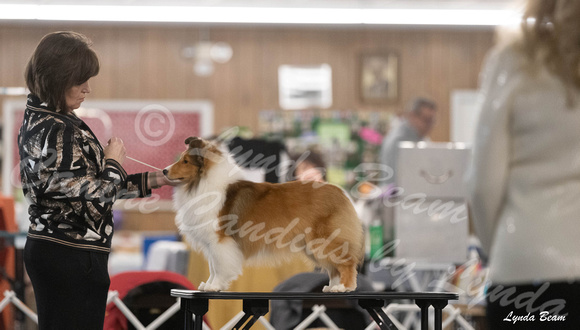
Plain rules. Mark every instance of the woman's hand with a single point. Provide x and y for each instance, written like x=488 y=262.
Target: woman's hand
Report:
x=115 y=150
x=158 y=180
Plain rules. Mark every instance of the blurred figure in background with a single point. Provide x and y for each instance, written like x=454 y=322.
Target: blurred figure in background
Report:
x=524 y=182
x=417 y=122
x=309 y=167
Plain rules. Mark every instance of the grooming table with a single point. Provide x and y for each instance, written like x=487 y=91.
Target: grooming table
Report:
x=256 y=304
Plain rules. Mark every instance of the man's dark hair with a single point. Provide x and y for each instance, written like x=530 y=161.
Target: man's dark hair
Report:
x=418 y=103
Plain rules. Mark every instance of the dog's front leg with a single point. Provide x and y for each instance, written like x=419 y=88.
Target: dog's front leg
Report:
x=202 y=285
x=225 y=260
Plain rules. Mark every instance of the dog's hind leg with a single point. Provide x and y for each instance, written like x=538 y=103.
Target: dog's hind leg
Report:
x=334 y=278
x=342 y=276
x=347 y=278
x=225 y=265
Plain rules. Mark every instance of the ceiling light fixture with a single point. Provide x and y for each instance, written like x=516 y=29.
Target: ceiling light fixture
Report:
x=266 y=15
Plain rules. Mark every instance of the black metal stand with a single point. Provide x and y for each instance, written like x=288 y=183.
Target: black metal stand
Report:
x=255 y=304
x=253 y=309
x=375 y=309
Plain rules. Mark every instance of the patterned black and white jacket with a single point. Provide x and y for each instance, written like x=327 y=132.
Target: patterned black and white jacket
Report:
x=70 y=186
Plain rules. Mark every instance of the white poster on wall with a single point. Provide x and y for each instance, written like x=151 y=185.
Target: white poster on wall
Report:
x=464 y=115
x=304 y=87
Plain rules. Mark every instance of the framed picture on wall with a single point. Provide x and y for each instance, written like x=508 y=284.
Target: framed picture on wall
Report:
x=379 y=77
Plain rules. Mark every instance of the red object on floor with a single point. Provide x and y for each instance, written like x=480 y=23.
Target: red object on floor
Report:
x=125 y=282
x=7 y=223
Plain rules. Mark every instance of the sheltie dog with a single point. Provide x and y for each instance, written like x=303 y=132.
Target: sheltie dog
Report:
x=232 y=220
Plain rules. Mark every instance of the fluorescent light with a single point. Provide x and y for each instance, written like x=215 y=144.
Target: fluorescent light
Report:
x=18 y=11
x=271 y=15
x=479 y=17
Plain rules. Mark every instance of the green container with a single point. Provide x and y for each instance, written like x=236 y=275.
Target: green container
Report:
x=376 y=239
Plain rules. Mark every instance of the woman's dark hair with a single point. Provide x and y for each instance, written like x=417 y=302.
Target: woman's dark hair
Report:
x=312 y=157
x=61 y=60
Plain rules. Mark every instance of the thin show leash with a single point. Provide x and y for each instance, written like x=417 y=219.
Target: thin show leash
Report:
x=140 y=162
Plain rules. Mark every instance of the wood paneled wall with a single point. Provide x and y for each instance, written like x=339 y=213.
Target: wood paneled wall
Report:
x=144 y=62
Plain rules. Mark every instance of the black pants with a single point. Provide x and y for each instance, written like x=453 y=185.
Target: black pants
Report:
x=542 y=306
x=70 y=285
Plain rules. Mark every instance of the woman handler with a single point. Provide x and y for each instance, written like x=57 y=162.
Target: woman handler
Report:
x=71 y=183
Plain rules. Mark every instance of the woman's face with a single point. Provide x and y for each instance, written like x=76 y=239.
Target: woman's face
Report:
x=76 y=95
x=306 y=171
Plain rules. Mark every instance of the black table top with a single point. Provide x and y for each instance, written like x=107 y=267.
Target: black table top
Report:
x=190 y=294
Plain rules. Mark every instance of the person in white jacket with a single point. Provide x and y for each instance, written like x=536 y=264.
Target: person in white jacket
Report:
x=524 y=182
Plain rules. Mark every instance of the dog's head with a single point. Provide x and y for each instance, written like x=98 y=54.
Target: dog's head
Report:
x=194 y=162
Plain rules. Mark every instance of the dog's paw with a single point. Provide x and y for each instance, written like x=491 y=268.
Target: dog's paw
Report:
x=201 y=286
x=338 y=288
x=212 y=288
x=335 y=288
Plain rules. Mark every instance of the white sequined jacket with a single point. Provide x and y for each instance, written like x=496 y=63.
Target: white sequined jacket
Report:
x=70 y=186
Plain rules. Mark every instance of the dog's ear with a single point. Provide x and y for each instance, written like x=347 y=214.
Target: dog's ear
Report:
x=194 y=142
x=196 y=149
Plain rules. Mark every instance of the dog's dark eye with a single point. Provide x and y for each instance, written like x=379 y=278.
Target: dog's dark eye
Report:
x=185 y=161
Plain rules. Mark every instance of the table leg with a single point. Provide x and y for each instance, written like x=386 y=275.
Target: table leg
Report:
x=439 y=305
x=197 y=307
x=253 y=309
x=424 y=305
x=375 y=309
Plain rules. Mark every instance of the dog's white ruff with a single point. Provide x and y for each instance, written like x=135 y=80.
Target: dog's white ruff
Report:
x=197 y=219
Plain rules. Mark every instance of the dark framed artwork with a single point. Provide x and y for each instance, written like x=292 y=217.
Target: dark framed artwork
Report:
x=379 y=77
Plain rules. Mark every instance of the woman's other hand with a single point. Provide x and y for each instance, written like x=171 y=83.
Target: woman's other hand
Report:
x=115 y=150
